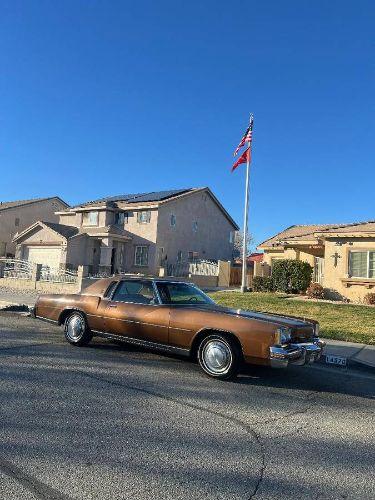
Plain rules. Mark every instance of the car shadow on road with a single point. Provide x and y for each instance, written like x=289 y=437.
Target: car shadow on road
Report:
x=306 y=378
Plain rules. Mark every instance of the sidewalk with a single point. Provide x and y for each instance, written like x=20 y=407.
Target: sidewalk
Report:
x=348 y=354
x=10 y=297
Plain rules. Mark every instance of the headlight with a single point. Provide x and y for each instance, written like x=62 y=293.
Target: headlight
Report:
x=283 y=335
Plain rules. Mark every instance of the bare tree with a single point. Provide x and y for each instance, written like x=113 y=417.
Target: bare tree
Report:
x=238 y=244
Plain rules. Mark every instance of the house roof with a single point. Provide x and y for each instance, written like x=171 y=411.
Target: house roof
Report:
x=61 y=229
x=152 y=196
x=357 y=227
x=4 y=205
x=303 y=232
x=65 y=231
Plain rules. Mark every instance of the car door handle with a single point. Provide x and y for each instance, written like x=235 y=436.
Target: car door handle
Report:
x=113 y=305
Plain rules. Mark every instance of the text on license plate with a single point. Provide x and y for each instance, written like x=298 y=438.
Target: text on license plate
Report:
x=335 y=360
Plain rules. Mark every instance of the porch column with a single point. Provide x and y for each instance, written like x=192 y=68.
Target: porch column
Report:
x=18 y=254
x=105 y=256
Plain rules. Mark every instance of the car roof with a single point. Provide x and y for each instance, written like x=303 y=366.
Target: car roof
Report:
x=100 y=286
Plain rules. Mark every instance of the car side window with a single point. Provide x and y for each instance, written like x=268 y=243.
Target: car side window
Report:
x=134 y=291
x=109 y=290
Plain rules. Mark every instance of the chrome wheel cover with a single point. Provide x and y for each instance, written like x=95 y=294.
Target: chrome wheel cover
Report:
x=75 y=327
x=216 y=357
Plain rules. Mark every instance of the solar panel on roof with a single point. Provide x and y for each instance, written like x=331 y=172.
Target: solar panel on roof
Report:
x=140 y=197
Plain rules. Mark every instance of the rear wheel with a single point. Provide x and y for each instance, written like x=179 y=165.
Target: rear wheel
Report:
x=76 y=329
x=219 y=356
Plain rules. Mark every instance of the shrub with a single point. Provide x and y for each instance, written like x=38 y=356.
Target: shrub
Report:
x=370 y=299
x=263 y=284
x=315 y=291
x=291 y=276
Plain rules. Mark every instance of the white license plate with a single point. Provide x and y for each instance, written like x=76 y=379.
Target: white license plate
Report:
x=335 y=360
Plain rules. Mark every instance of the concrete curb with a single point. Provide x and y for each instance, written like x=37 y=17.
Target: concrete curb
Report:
x=345 y=363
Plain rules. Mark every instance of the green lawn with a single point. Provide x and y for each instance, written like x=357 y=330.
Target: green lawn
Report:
x=342 y=322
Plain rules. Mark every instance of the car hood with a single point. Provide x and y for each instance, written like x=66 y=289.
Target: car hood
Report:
x=279 y=319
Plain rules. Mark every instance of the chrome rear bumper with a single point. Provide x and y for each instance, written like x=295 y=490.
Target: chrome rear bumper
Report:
x=297 y=354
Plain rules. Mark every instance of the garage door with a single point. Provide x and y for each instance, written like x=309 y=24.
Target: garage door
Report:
x=43 y=255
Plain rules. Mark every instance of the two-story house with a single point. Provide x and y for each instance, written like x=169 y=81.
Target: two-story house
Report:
x=15 y=216
x=133 y=233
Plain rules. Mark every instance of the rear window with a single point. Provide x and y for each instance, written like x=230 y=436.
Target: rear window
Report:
x=110 y=289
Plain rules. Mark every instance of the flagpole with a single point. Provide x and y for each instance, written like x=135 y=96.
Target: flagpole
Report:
x=245 y=223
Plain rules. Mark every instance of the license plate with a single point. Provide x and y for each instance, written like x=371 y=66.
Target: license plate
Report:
x=335 y=360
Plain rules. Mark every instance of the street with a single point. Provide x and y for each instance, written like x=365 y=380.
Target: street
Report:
x=117 y=422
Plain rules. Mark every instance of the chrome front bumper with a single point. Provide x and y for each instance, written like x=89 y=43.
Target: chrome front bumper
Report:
x=297 y=354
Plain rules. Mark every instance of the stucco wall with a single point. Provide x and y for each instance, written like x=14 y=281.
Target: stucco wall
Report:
x=141 y=234
x=78 y=251
x=70 y=219
x=27 y=215
x=210 y=241
x=333 y=275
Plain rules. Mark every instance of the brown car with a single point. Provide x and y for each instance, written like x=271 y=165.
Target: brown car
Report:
x=178 y=317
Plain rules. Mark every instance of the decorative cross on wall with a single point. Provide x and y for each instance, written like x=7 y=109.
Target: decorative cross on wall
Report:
x=336 y=256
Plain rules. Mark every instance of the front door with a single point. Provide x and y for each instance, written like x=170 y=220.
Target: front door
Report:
x=134 y=312
x=318 y=270
x=113 y=261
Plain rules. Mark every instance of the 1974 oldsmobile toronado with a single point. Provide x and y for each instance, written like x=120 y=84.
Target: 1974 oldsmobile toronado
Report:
x=178 y=317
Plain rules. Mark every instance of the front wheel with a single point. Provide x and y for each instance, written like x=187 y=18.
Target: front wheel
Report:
x=219 y=356
x=76 y=329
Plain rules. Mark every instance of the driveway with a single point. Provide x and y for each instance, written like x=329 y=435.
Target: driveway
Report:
x=113 y=422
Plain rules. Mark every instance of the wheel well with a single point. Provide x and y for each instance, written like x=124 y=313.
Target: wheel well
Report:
x=204 y=333
x=66 y=313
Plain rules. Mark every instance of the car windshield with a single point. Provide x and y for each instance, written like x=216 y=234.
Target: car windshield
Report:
x=182 y=293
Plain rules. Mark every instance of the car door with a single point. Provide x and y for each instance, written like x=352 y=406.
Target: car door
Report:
x=134 y=311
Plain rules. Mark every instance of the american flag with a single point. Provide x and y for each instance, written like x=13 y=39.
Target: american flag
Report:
x=247 y=137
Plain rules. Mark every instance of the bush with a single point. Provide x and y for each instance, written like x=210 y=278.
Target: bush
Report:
x=263 y=284
x=370 y=299
x=315 y=291
x=291 y=276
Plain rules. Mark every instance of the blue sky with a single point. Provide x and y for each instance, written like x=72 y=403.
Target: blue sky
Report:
x=105 y=97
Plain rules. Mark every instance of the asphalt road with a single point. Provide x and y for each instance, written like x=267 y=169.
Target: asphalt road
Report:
x=114 y=422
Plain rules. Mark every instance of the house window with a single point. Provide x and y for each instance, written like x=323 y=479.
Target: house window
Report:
x=362 y=264
x=180 y=256
x=17 y=222
x=173 y=220
x=231 y=237
x=144 y=217
x=141 y=256
x=90 y=218
x=195 y=226
x=121 y=218
x=193 y=255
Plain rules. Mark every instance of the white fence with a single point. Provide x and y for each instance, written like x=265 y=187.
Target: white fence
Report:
x=25 y=270
x=16 y=269
x=56 y=275
x=194 y=268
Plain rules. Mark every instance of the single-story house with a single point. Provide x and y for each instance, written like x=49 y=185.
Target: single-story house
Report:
x=342 y=255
